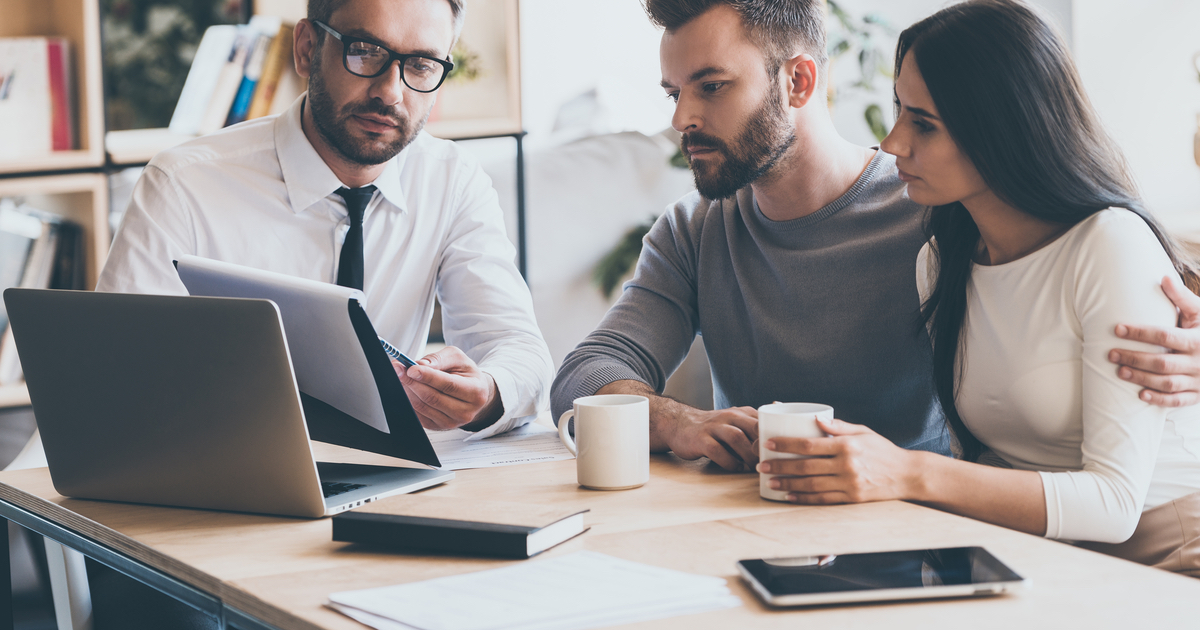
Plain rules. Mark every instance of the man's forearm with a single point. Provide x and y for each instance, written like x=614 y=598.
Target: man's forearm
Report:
x=665 y=412
x=725 y=436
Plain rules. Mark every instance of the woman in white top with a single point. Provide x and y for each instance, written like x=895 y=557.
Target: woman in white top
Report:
x=1040 y=249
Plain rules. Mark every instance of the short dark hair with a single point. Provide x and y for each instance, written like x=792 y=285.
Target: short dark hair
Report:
x=322 y=10
x=778 y=27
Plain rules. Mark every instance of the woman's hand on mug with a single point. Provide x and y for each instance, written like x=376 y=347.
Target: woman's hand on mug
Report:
x=853 y=465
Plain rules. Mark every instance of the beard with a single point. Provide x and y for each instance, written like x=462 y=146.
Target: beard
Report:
x=765 y=139
x=334 y=126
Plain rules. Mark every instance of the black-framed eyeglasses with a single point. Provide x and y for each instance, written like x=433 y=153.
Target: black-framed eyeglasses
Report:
x=368 y=60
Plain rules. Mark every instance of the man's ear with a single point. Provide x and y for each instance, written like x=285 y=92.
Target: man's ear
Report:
x=800 y=77
x=304 y=46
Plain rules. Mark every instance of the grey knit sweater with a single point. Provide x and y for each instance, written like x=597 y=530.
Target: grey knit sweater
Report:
x=818 y=309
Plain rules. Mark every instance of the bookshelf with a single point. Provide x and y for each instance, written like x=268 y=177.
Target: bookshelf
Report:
x=79 y=22
x=52 y=181
x=134 y=147
x=80 y=197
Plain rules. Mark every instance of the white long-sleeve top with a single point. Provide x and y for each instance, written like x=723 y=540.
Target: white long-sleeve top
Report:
x=1037 y=388
x=258 y=194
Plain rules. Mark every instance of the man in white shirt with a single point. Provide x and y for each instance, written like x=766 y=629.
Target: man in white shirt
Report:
x=344 y=186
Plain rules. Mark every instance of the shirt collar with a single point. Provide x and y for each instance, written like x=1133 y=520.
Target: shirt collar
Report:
x=308 y=178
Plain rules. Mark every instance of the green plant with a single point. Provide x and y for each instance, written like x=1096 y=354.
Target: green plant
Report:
x=875 y=120
x=467 y=64
x=618 y=262
x=862 y=37
x=679 y=160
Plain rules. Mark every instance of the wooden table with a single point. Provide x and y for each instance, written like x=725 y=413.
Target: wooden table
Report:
x=263 y=572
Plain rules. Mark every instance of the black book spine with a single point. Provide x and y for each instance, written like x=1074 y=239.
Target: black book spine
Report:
x=416 y=534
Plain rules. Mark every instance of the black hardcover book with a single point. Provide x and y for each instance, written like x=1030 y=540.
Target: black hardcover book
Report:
x=421 y=524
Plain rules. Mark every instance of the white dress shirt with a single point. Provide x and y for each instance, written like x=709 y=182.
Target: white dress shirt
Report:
x=258 y=194
x=1037 y=387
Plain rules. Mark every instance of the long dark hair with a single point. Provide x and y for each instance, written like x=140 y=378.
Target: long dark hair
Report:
x=1006 y=89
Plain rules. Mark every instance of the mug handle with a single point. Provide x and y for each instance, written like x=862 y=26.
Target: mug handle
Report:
x=564 y=434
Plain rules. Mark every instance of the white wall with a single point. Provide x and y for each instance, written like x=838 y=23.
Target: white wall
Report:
x=569 y=47
x=1136 y=62
x=572 y=46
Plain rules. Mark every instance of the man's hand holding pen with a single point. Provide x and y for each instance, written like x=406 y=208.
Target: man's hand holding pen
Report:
x=448 y=390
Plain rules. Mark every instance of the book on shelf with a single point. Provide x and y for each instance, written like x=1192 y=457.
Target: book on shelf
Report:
x=62 y=116
x=428 y=524
x=36 y=96
x=290 y=87
x=276 y=64
x=40 y=250
x=236 y=75
x=253 y=70
x=228 y=81
x=18 y=233
x=202 y=79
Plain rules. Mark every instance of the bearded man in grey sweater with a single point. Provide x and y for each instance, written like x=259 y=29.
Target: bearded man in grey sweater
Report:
x=795 y=258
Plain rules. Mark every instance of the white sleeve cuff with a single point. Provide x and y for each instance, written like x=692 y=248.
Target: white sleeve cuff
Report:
x=515 y=413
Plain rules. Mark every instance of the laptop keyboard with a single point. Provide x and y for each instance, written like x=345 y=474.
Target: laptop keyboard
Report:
x=334 y=488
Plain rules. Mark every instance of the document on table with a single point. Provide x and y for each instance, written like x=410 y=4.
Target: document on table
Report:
x=525 y=445
x=572 y=592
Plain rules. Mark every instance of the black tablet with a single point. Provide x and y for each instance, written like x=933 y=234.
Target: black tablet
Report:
x=883 y=576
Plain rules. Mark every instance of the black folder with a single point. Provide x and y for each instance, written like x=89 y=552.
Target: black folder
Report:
x=407 y=439
x=447 y=525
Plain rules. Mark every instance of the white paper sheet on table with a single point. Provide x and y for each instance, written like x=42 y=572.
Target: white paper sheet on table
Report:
x=572 y=592
x=525 y=445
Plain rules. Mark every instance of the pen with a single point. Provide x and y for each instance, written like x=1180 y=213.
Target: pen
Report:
x=396 y=354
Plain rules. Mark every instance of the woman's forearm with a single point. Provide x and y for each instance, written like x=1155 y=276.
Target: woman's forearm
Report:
x=1011 y=498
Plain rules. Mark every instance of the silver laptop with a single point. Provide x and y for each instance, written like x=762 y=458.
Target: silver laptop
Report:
x=181 y=401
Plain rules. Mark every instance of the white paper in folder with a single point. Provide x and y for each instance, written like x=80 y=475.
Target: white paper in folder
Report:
x=576 y=591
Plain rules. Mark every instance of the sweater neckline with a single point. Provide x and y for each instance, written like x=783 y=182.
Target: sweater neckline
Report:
x=837 y=205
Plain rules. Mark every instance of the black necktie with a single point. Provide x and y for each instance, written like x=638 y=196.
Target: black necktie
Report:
x=350 y=265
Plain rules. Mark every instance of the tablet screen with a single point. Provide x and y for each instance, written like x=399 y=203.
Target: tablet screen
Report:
x=923 y=568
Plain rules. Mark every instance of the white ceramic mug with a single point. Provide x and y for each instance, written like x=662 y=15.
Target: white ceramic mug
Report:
x=612 y=432
x=786 y=420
